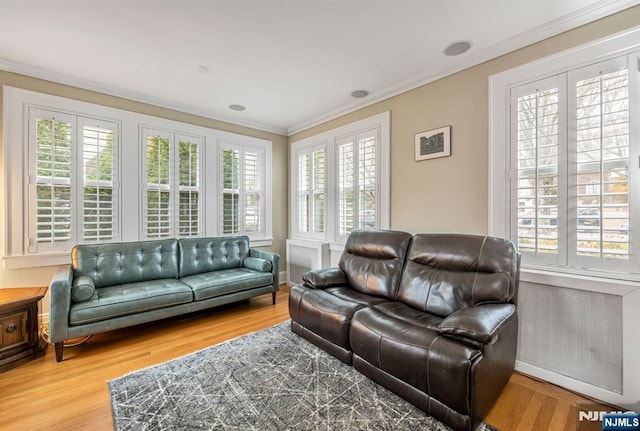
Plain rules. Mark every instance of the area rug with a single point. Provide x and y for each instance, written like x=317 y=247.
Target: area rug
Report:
x=268 y=380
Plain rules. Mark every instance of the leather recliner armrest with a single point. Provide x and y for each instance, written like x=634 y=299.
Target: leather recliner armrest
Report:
x=480 y=324
x=323 y=278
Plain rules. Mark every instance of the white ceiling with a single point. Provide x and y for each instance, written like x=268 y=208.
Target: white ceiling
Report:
x=292 y=63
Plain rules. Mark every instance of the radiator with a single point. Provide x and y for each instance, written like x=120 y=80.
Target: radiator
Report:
x=303 y=256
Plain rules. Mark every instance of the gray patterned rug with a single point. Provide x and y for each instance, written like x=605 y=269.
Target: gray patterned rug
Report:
x=268 y=380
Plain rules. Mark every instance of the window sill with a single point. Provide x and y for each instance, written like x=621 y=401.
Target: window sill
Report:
x=36 y=260
x=600 y=282
x=263 y=242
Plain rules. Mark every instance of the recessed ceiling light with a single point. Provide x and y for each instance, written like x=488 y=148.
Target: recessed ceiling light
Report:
x=237 y=107
x=359 y=94
x=457 y=48
x=202 y=69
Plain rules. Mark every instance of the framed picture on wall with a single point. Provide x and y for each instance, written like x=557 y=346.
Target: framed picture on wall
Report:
x=434 y=143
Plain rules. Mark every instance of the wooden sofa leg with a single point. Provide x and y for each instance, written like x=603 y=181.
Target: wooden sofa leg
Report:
x=273 y=297
x=59 y=347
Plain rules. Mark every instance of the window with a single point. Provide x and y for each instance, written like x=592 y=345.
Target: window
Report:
x=77 y=172
x=340 y=181
x=572 y=190
x=243 y=204
x=311 y=191
x=172 y=190
x=74 y=198
x=357 y=166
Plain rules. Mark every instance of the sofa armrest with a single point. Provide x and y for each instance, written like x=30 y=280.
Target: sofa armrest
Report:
x=274 y=258
x=481 y=324
x=59 y=304
x=323 y=278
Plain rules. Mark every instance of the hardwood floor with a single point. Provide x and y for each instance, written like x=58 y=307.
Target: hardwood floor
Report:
x=73 y=394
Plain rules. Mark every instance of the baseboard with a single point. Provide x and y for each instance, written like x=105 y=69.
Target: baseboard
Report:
x=577 y=386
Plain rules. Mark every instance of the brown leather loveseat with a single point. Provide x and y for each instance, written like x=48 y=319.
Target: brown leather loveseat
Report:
x=431 y=317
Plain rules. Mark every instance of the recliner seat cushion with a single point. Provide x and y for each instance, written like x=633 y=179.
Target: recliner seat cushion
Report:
x=226 y=281
x=436 y=365
x=325 y=313
x=126 y=299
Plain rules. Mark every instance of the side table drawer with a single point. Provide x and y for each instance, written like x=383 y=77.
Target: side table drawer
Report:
x=13 y=330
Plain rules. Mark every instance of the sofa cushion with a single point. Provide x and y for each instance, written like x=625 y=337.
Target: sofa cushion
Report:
x=82 y=289
x=436 y=365
x=131 y=298
x=448 y=272
x=198 y=255
x=372 y=261
x=323 y=314
x=121 y=263
x=226 y=281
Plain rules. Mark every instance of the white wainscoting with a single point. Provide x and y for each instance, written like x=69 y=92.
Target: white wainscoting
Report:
x=580 y=337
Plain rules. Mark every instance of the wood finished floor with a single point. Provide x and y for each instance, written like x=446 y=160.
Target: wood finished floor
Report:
x=73 y=394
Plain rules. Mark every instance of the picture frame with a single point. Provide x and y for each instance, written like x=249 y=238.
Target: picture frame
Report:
x=433 y=144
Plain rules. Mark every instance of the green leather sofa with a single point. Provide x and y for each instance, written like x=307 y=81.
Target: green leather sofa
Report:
x=111 y=286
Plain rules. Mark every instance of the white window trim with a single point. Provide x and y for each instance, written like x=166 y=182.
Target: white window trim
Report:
x=628 y=286
x=173 y=187
x=16 y=102
x=229 y=140
x=329 y=139
x=297 y=150
x=499 y=146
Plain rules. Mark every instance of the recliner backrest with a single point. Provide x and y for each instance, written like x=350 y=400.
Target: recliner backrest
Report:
x=448 y=272
x=373 y=260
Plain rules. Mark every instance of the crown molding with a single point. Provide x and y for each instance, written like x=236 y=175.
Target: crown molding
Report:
x=568 y=22
x=61 y=78
x=583 y=16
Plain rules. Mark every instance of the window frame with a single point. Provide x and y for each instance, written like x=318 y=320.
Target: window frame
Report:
x=265 y=236
x=502 y=177
x=15 y=214
x=174 y=188
x=329 y=141
x=76 y=181
x=308 y=150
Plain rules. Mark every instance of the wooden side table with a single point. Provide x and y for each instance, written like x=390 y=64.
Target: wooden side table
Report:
x=20 y=339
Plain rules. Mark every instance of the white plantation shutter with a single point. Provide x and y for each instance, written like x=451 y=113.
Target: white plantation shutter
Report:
x=189 y=186
x=242 y=178
x=538 y=137
x=252 y=192
x=358 y=201
x=51 y=173
x=571 y=154
x=157 y=193
x=311 y=192
x=73 y=177
x=304 y=192
x=231 y=191
x=172 y=192
x=600 y=171
x=318 y=190
x=367 y=180
x=99 y=192
x=346 y=186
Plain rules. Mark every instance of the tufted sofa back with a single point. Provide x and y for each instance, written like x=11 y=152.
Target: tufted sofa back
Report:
x=448 y=272
x=372 y=261
x=120 y=263
x=209 y=254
